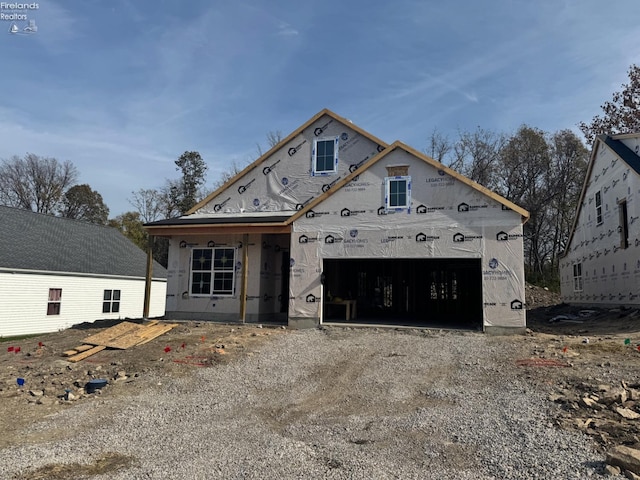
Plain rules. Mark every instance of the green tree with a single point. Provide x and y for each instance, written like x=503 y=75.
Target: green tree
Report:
x=80 y=202
x=130 y=224
x=35 y=183
x=185 y=192
x=621 y=114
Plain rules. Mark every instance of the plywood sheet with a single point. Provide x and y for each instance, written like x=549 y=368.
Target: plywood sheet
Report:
x=119 y=336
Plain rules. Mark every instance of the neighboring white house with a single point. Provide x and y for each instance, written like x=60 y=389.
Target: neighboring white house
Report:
x=56 y=272
x=334 y=225
x=601 y=265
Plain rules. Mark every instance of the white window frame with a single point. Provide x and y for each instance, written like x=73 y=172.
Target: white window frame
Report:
x=213 y=272
x=388 y=181
x=314 y=157
x=54 y=302
x=577 y=277
x=598 y=201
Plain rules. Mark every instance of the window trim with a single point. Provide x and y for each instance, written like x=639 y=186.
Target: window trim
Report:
x=577 y=277
x=111 y=302
x=598 y=201
x=212 y=271
x=387 y=192
x=314 y=157
x=54 y=301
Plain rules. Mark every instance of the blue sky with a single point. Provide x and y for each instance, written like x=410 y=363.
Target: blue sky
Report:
x=121 y=88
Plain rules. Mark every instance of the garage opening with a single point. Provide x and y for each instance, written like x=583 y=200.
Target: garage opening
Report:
x=444 y=293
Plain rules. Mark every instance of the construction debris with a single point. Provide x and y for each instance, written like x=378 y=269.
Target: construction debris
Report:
x=121 y=336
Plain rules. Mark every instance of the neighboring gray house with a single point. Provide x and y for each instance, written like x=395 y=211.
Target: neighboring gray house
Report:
x=601 y=264
x=56 y=272
x=333 y=224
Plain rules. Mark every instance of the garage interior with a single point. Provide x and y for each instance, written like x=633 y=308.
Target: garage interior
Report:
x=437 y=293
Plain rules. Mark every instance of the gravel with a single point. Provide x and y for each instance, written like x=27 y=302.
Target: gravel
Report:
x=334 y=403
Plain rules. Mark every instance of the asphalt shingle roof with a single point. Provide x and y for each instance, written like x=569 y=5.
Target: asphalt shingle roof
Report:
x=34 y=241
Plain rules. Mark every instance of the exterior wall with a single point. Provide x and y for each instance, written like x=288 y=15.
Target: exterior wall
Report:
x=24 y=298
x=283 y=182
x=610 y=274
x=263 y=283
x=447 y=219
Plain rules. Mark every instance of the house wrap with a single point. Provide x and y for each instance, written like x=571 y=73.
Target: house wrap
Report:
x=335 y=225
x=601 y=264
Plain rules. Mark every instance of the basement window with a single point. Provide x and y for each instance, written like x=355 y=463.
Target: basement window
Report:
x=577 y=277
x=212 y=271
x=397 y=193
x=598 y=208
x=53 y=305
x=325 y=156
x=111 y=301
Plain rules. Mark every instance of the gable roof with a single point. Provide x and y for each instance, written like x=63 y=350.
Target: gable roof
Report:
x=281 y=144
x=35 y=241
x=434 y=163
x=623 y=152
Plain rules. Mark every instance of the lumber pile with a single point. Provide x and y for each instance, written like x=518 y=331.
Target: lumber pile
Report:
x=121 y=336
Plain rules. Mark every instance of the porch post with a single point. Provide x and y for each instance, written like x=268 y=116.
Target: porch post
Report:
x=245 y=270
x=147 y=281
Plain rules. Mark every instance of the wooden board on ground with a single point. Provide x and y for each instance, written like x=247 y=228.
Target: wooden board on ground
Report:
x=121 y=336
x=116 y=336
x=77 y=350
x=87 y=353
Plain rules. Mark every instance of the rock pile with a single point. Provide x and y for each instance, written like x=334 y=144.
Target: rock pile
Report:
x=60 y=382
x=609 y=413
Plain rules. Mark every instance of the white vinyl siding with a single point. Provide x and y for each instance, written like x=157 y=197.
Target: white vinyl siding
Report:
x=25 y=298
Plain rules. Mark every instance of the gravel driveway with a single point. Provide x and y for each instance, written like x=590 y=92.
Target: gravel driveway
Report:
x=334 y=403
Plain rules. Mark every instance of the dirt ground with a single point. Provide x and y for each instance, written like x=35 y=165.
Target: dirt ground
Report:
x=572 y=353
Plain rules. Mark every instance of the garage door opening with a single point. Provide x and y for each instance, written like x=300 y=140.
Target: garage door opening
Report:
x=444 y=293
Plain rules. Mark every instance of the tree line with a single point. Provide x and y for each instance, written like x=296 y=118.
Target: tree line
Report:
x=540 y=171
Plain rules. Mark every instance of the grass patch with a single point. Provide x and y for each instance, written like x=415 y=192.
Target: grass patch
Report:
x=18 y=337
x=107 y=463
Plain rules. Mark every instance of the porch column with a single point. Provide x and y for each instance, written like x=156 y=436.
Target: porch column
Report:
x=245 y=276
x=147 y=281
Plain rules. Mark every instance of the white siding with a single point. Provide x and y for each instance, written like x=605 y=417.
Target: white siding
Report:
x=24 y=298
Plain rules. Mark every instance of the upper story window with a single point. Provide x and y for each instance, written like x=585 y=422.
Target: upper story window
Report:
x=325 y=156
x=212 y=271
x=598 y=207
x=397 y=193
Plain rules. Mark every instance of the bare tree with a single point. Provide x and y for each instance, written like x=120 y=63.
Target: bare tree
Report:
x=151 y=204
x=439 y=148
x=477 y=155
x=35 y=183
x=621 y=115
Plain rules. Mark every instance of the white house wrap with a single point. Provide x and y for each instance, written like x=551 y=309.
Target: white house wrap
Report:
x=336 y=225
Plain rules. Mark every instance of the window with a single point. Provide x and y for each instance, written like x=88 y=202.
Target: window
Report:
x=212 y=271
x=577 y=277
x=623 y=228
x=397 y=192
x=53 y=306
x=111 y=301
x=325 y=156
x=598 y=208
